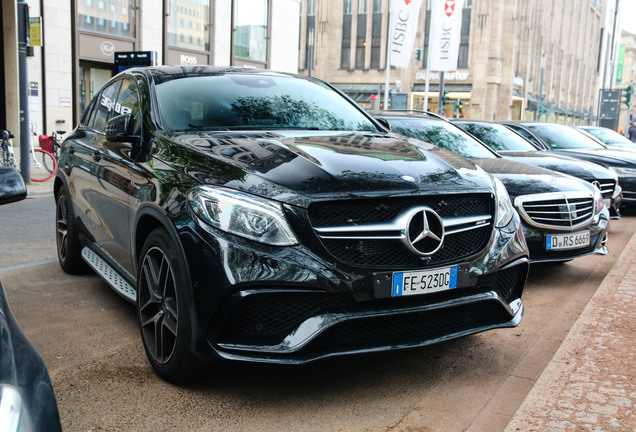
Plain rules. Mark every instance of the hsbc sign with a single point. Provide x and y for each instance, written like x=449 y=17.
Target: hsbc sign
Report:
x=403 y=27
x=446 y=25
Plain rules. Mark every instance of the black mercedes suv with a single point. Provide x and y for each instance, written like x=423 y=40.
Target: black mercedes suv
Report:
x=259 y=216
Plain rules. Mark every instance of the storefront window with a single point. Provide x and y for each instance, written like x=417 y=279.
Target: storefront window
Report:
x=250 y=29
x=188 y=24
x=118 y=19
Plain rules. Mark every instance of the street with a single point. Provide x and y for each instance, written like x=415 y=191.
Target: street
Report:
x=89 y=339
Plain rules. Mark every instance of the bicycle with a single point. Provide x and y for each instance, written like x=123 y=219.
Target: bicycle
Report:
x=44 y=164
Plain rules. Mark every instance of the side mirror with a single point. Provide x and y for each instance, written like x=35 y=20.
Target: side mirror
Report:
x=384 y=122
x=120 y=129
x=12 y=186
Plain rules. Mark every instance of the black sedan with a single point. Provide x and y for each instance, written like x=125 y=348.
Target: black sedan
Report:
x=258 y=216
x=563 y=217
x=27 y=401
x=563 y=140
x=511 y=145
x=611 y=139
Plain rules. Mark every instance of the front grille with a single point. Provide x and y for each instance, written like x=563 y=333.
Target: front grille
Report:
x=563 y=212
x=373 y=210
x=392 y=253
x=607 y=186
x=362 y=250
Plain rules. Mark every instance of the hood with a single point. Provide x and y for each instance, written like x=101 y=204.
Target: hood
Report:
x=302 y=166
x=605 y=157
x=575 y=167
x=522 y=179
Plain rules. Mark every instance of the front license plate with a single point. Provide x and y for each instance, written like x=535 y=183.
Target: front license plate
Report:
x=567 y=241
x=607 y=203
x=423 y=282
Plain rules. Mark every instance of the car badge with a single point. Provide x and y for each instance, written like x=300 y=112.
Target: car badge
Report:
x=424 y=232
x=597 y=184
x=408 y=178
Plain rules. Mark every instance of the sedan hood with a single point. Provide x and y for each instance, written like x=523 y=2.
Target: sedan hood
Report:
x=605 y=157
x=574 y=167
x=521 y=179
x=302 y=166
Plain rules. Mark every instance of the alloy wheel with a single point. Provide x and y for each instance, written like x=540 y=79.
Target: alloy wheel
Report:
x=158 y=305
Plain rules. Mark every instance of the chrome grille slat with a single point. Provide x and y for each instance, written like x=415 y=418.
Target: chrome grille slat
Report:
x=560 y=211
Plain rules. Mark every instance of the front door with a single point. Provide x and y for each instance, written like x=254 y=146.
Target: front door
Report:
x=92 y=77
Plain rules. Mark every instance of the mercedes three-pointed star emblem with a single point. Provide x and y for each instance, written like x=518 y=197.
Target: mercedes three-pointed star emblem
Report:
x=424 y=232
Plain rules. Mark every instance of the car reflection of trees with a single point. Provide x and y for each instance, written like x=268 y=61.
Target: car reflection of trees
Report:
x=287 y=112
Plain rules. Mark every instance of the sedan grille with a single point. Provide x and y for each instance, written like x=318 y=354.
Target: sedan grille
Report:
x=371 y=233
x=561 y=211
x=606 y=186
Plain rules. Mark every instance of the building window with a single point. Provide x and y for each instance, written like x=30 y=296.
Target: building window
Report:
x=184 y=31
x=376 y=34
x=361 y=34
x=116 y=20
x=251 y=21
x=346 y=35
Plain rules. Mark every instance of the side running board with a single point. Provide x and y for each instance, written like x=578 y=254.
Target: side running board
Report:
x=111 y=277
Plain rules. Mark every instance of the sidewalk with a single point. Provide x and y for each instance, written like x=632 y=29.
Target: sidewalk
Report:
x=590 y=383
x=40 y=188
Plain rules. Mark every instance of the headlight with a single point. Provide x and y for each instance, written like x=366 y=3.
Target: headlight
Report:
x=242 y=214
x=623 y=172
x=598 y=200
x=505 y=211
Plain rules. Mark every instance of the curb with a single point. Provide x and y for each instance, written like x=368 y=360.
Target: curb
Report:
x=590 y=383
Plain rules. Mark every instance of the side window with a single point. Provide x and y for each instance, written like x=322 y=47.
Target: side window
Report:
x=128 y=102
x=104 y=107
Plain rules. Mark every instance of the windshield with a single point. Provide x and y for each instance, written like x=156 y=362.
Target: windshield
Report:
x=608 y=136
x=254 y=101
x=497 y=137
x=440 y=133
x=564 y=137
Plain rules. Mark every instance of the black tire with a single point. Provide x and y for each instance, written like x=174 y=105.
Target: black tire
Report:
x=69 y=249
x=44 y=166
x=163 y=309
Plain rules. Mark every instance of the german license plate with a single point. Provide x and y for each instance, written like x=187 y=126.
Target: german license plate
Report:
x=567 y=241
x=424 y=282
x=607 y=203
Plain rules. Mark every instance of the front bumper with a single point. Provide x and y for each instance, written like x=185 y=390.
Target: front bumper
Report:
x=292 y=305
x=536 y=240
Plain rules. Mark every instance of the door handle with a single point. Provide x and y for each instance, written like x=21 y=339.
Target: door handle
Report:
x=97 y=156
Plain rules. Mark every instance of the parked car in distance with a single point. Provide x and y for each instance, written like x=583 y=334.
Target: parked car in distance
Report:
x=562 y=217
x=611 y=139
x=259 y=216
x=27 y=401
x=511 y=145
x=561 y=140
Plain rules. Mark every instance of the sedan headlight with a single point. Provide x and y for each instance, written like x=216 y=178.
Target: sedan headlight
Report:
x=505 y=210
x=623 y=172
x=242 y=214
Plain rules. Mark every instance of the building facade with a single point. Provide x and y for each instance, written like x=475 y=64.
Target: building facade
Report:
x=627 y=77
x=516 y=58
x=80 y=38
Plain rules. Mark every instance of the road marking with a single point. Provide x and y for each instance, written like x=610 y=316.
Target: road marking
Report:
x=18 y=267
